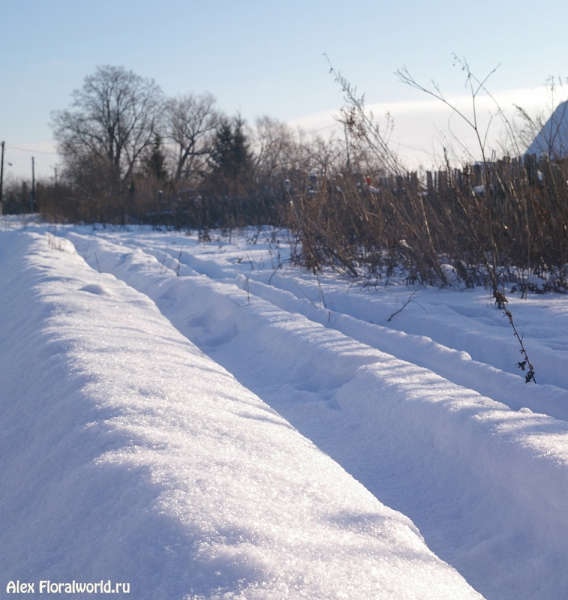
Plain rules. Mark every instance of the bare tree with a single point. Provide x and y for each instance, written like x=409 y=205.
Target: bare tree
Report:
x=113 y=117
x=274 y=146
x=190 y=124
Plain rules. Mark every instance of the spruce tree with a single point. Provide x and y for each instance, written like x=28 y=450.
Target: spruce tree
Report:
x=231 y=159
x=156 y=160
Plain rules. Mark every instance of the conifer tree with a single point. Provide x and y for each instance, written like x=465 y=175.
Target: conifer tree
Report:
x=231 y=160
x=156 y=160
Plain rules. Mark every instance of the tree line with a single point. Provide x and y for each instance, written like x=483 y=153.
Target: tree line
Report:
x=130 y=154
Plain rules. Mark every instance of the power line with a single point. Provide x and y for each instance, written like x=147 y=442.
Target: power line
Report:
x=411 y=147
x=31 y=151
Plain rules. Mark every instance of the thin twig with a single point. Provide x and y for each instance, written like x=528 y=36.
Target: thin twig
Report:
x=321 y=291
x=179 y=262
x=301 y=290
x=501 y=301
x=410 y=299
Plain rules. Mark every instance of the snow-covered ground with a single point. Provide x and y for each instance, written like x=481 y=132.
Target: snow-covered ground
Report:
x=203 y=420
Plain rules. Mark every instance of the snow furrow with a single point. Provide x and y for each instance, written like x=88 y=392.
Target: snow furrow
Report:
x=128 y=455
x=455 y=365
x=452 y=364
x=486 y=485
x=481 y=331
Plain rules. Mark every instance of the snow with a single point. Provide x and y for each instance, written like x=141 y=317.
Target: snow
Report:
x=552 y=139
x=129 y=455
x=204 y=420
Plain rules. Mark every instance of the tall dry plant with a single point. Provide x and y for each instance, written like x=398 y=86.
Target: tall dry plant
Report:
x=494 y=222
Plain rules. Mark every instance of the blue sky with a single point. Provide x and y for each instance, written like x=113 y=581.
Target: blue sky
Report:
x=262 y=57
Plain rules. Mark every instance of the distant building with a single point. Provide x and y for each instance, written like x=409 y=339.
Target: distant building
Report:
x=553 y=137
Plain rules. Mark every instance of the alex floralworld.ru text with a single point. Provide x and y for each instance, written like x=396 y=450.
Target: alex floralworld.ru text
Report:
x=73 y=587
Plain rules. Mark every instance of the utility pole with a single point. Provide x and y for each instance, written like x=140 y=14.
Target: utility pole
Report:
x=32 y=197
x=1 y=180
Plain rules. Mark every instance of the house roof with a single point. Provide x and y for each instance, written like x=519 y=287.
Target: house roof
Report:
x=553 y=137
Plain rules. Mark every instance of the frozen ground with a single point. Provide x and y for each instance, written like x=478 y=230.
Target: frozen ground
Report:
x=165 y=404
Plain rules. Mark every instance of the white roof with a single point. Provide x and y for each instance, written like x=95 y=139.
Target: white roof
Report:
x=553 y=137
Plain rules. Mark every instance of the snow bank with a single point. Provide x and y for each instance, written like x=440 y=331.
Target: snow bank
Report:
x=487 y=485
x=445 y=360
x=128 y=455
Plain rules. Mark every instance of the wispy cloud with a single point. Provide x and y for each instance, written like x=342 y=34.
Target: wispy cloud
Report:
x=423 y=128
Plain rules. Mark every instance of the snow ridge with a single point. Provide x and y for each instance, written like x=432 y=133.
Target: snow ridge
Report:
x=485 y=484
x=128 y=454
